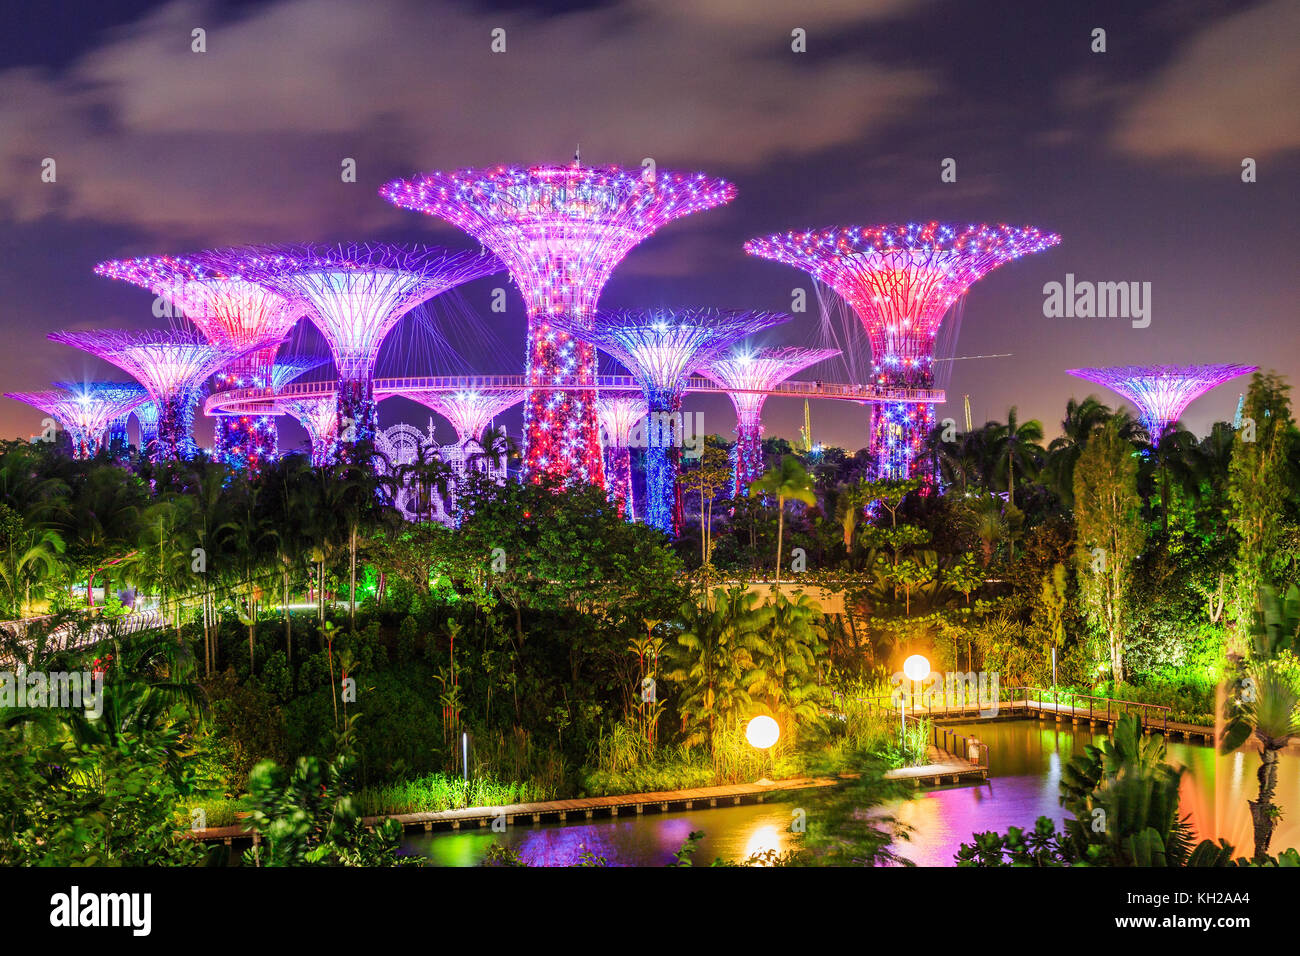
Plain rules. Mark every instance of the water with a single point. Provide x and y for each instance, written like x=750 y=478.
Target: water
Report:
x=1026 y=760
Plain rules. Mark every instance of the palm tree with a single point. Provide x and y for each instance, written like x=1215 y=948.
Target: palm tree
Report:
x=788 y=481
x=29 y=556
x=786 y=650
x=1081 y=420
x=1015 y=445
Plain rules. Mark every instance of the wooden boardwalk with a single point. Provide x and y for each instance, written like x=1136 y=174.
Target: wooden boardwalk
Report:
x=1047 y=710
x=944 y=768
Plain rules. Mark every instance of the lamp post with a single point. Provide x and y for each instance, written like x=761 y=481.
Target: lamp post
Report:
x=762 y=733
x=915 y=668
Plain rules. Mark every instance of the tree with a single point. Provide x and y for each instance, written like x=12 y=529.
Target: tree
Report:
x=1260 y=479
x=1111 y=534
x=708 y=478
x=788 y=481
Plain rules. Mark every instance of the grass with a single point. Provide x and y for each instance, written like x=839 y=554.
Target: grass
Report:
x=439 y=791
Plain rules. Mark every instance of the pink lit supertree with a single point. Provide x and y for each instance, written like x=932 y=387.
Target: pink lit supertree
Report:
x=618 y=415
x=469 y=410
x=354 y=293
x=901 y=280
x=660 y=347
x=319 y=416
x=123 y=398
x=84 y=411
x=561 y=231
x=171 y=365
x=234 y=313
x=1161 y=392
x=748 y=377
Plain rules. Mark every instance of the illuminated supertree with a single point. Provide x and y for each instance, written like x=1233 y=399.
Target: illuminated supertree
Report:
x=748 y=376
x=122 y=398
x=660 y=347
x=901 y=280
x=232 y=429
x=171 y=365
x=618 y=415
x=83 y=411
x=355 y=293
x=1161 y=392
x=561 y=231
x=146 y=416
x=319 y=416
x=469 y=411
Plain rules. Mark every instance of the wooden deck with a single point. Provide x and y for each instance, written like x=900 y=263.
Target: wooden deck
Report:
x=1046 y=710
x=944 y=769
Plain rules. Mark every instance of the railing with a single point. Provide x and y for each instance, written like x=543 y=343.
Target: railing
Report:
x=927 y=703
x=971 y=750
x=235 y=401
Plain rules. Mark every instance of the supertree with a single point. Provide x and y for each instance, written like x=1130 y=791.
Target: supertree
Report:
x=469 y=410
x=660 y=347
x=1161 y=392
x=748 y=377
x=122 y=397
x=355 y=293
x=171 y=365
x=561 y=231
x=82 y=411
x=900 y=281
x=146 y=416
x=232 y=428
x=233 y=313
x=618 y=415
x=319 y=416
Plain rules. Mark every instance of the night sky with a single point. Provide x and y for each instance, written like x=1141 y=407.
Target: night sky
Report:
x=1133 y=155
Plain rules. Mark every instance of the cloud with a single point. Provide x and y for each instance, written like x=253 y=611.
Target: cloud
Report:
x=245 y=140
x=1231 y=92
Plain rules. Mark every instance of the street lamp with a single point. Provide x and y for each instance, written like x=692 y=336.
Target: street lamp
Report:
x=762 y=733
x=915 y=668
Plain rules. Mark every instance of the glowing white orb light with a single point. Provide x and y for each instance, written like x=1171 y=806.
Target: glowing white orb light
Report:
x=916 y=667
x=762 y=732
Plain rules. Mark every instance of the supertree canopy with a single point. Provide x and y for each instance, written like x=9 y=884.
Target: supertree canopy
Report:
x=469 y=410
x=83 y=411
x=122 y=398
x=660 y=347
x=618 y=415
x=355 y=293
x=171 y=365
x=561 y=231
x=748 y=377
x=319 y=416
x=146 y=416
x=901 y=280
x=1161 y=392
x=232 y=312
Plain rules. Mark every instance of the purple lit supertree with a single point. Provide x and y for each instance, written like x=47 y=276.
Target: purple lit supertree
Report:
x=660 y=347
x=146 y=416
x=319 y=416
x=232 y=428
x=171 y=365
x=618 y=415
x=354 y=293
x=233 y=313
x=748 y=377
x=1161 y=392
x=83 y=411
x=469 y=410
x=901 y=280
x=122 y=398
x=561 y=231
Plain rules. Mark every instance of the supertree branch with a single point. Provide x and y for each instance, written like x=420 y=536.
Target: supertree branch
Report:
x=469 y=411
x=318 y=416
x=1161 y=393
x=561 y=231
x=355 y=293
x=618 y=416
x=748 y=377
x=83 y=411
x=659 y=348
x=901 y=280
x=171 y=365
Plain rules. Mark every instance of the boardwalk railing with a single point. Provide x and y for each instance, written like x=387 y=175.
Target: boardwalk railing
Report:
x=937 y=702
x=970 y=750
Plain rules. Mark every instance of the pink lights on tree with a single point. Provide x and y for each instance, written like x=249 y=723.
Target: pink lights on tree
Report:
x=561 y=231
x=469 y=410
x=1161 y=392
x=618 y=415
x=84 y=410
x=748 y=376
x=901 y=280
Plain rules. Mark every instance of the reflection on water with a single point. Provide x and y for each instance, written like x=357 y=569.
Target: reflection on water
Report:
x=1026 y=762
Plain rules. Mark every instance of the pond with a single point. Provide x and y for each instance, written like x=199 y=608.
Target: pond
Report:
x=1026 y=758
